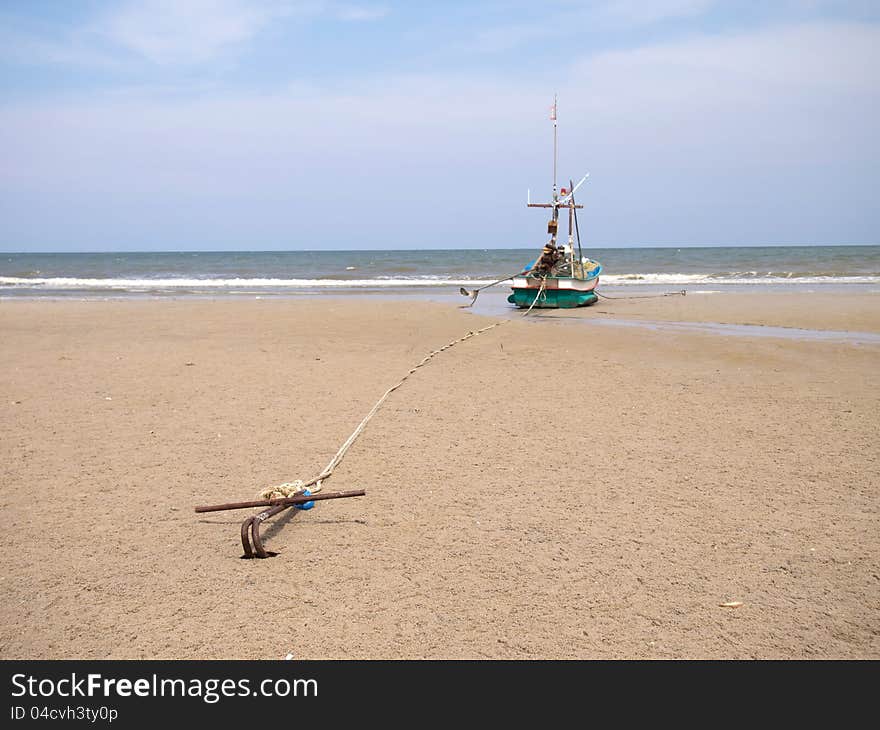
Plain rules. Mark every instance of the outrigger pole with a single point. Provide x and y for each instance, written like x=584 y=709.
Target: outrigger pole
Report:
x=576 y=229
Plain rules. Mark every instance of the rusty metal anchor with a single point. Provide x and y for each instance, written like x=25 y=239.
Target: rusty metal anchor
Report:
x=251 y=540
x=253 y=523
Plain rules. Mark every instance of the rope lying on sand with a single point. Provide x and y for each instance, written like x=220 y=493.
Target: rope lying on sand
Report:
x=289 y=489
x=681 y=293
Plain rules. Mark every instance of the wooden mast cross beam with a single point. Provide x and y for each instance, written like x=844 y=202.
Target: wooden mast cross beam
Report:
x=551 y=205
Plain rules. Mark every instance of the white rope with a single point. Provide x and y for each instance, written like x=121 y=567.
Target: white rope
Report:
x=681 y=293
x=289 y=488
x=537 y=296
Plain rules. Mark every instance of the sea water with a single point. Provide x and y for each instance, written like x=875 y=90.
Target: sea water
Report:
x=429 y=272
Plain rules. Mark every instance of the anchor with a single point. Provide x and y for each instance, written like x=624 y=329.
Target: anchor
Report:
x=251 y=540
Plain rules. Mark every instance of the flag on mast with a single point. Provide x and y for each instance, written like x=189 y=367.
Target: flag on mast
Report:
x=553 y=111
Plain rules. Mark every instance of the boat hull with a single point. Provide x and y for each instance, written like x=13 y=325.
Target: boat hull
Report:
x=552 y=299
x=555 y=292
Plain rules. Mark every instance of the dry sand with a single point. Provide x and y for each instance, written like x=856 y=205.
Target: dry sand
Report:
x=545 y=490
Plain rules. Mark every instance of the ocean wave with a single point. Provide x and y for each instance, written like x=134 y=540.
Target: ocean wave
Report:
x=389 y=282
x=736 y=278
x=78 y=283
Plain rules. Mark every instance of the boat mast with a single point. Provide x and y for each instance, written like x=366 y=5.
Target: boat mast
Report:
x=551 y=250
x=553 y=117
x=555 y=223
x=555 y=195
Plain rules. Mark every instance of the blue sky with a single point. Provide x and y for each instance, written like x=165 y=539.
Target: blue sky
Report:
x=224 y=124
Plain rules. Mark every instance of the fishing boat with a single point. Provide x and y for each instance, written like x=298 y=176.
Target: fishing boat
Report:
x=560 y=277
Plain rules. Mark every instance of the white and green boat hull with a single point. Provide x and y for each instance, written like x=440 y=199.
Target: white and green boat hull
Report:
x=553 y=292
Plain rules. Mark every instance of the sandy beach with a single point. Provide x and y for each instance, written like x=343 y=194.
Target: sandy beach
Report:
x=704 y=468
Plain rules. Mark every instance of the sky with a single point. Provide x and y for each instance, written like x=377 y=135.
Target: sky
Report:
x=147 y=125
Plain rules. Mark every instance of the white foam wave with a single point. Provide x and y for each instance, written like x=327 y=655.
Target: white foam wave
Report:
x=642 y=279
x=152 y=284
x=74 y=283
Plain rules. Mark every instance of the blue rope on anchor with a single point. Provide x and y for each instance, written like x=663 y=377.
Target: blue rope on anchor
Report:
x=305 y=505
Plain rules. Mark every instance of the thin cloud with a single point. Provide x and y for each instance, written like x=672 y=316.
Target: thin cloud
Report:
x=645 y=12
x=169 y=32
x=159 y=32
x=835 y=57
x=508 y=37
x=567 y=20
x=71 y=49
x=361 y=13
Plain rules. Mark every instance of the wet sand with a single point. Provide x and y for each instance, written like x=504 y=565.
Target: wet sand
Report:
x=540 y=491
x=818 y=310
